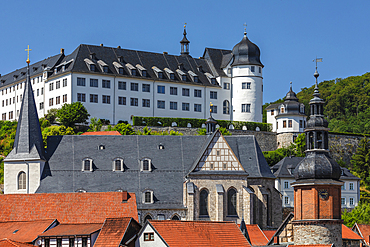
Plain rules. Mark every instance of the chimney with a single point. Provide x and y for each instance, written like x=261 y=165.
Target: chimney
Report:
x=124 y=196
x=101 y=44
x=165 y=53
x=276 y=240
x=119 y=47
x=62 y=51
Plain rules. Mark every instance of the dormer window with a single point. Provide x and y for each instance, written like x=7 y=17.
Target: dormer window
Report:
x=119 y=68
x=92 y=67
x=160 y=146
x=146 y=165
x=193 y=76
x=121 y=71
x=87 y=165
x=105 y=69
x=181 y=74
x=183 y=77
x=282 y=109
x=103 y=66
x=144 y=73
x=148 y=196
x=101 y=147
x=158 y=72
x=142 y=70
x=131 y=68
x=15 y=77
x=170 y=73
x=118 y=165
x=90 y=64
x=212 y=79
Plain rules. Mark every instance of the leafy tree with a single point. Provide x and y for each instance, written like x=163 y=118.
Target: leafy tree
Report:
x=51 y=115
x=360 y=215
x=44 y=123
x=70 y=114
x=300 y=145
x=361 y=162
x=56 y=130
x=124 y=129
x=1 y=171
x=223 y=130
x=95 y=124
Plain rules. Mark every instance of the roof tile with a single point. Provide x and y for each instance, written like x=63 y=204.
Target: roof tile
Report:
x=83 y=229
x=349 y=234
x=11 y=243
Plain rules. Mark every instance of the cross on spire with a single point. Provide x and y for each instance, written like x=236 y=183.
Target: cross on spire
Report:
x=28 y=54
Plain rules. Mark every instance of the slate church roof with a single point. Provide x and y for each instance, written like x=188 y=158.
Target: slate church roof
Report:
x=170 y=165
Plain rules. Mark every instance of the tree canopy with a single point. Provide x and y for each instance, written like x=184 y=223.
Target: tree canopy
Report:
x=71 y=114
x=360 y=215
x=361 y=162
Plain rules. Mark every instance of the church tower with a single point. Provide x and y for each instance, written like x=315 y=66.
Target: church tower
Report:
x=24 y=164
x=317 y=190
x=247 y=83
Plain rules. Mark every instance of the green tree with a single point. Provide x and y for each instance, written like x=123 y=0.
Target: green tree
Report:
x=51 y=115
x=124 y=129
x=361 y=162
x=300 y=145
x=360 y=215
x=224 y=131
x=55 y=131
x=95 y=124
x=71 y=114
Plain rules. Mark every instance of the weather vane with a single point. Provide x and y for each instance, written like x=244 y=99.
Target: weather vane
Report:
x=185 y=25
x=245 y=27
x=28 y=54
x=317 y=60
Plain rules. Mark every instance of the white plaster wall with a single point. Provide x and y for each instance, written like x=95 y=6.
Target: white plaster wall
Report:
x=55 y=93
x=347 y=193
x=157 y=240
x=295 y=123
x=33 y=170
x=253 y=96
x=289 y=192
x=271 y=119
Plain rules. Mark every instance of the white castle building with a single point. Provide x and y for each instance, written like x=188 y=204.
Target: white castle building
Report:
x=116 y=84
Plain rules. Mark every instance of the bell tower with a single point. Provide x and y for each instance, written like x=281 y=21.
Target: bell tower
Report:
x=317 y=190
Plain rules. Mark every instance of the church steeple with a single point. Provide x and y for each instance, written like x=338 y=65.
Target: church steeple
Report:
x=184 y=44
x=28 y=144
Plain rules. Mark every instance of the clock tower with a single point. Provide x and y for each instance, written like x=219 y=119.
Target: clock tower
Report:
x=317 y=190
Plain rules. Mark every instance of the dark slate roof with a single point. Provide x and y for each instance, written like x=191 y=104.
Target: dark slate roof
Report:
x=272 y=106
x=281 y=169
x=217 y=59
x=35 y=69
x=28 y=142
x=63 y=173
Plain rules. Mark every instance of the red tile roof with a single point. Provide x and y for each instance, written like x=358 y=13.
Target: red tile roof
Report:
x=72 y=229
x=10 y=243
x=113 y=232
x=23 y=231
x=102 y=133
x=269 y=233
x=313 y=245
x=349 y=234
x=256 y=236
x=200 y=233
x=364 y=231
x=67 y=207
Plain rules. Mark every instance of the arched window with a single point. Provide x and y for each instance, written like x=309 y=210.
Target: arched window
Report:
x=226 y=107
x=87 y=164
x=148 y=217
x=118 y=165
x=146 y=165
x=22 y=181
x=203 y=203
x=175 y=217
x=148 y=196
x=231 y=202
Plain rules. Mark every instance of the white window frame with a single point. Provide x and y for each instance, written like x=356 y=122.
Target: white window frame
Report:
x=149 y=165
x=343 y=201
x=114 y=165
x=351 y=185
x=343 y=186
x=351 y=201
x=286 y=200
x=286 y=183
x=151 y=197
x=91 y=165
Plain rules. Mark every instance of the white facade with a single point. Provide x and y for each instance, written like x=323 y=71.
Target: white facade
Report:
x=287 y=191
x=149 y=237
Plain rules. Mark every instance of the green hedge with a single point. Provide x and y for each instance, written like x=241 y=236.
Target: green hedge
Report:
x=196 y=123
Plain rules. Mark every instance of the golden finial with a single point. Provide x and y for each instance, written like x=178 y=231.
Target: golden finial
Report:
x=245 y=27
x=210 y=108
x=185 y=25
x=28 y=54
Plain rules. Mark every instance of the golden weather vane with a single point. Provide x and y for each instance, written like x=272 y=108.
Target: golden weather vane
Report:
x=245 y=27
x=28 y=54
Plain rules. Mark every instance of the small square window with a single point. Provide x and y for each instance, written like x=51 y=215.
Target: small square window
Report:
x=94 y=83
x=197 y=93
x=146 y=102
x=272 y=112
x=286 y=199
x=351 y=187
x=343 y=201
x=161 y=104
x=134 y=86
x=226 y=85
x=173 y=105
x=122 y=85
x=246 y=107
x=134 y=101
x=246 y=85
x=146 y=87
x=106 y=99
x=149 y=236
x=214 y=109
x=197 y=107
x=173 y=90
x=121 y=100
x=93 y=98
x=252 y=68
x=185 y=92
x=213 y=94
x=185 y=106
x=105 y=84
x=161 y=89
x=286 y=185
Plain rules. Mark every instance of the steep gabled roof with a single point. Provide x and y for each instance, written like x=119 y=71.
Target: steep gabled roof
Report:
x=199 y=233
x=363 y=230
x=82 y=229
x=217 y=59
x=24 y=231
x=11 y=243
x=284 y=165
x=348 y=234
x=67 y=207
x=256 y=235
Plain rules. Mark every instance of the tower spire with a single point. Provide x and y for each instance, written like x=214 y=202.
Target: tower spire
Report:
x=28 y=144
x=211 y=122
x=184 y=43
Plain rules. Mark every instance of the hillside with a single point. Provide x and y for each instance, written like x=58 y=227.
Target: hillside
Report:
x=347 y=103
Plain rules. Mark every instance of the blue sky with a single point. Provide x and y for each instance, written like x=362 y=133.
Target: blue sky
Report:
x=290 y=34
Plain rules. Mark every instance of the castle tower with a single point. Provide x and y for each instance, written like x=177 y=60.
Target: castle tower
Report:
x=184 y=44
x=24 y=164
x=317 y=190
x=247 y=82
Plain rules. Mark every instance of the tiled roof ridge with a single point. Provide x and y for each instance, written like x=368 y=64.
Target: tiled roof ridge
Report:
x=15 y=243
x=22 y=221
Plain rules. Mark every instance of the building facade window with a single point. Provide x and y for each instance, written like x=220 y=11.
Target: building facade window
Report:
x=57 y=84
x=47 y=242
x=343 y=186
x=71 y=242
x=300 y=124
x=134 y=101
x=57 y=100
x=284 y=124
x=65 y=98
x=351 y=186
x=161 y=104
x=197 y=93
x=213 y=94
x=118 y=165
x=81 y=81
x=87 y=165
x=290 y=124
x=64 y=82
x=93 y=98
x=51 y=101
x=246 y=85
x=161 y=89
x=272 y=112
x=197 y=107
x=3 y=116
x=122 y=85
x=246 y=107
x=351 y=201
x=252 y=68
x=173 y=105
x=105 y=83
x=286 y=185
x=81 y=97
x=203 y=203
x=146 y=165
x=146 y=88
x=41 y=105
x=148 y=196
x=146 y=102
x=227 y=86
x=343 y=201
x=185 y=106
x=226 y=107
x=134 y=86
x=214 y=108
x=149 y=236
x=106 y=99
x=94 y=83
x=84 y=242
x=22 y=181
x=59 y=242
x=231 y=202
x=173 y=90
x=185 y=92
x=121 y=100
x=51 y=86
x=286 y=200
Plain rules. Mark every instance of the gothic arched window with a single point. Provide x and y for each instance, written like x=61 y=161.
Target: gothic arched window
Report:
x=148 y=217
x=226 y=107
x=203 y=203
x=175 y=217
x=231 y=202
x=22 y=181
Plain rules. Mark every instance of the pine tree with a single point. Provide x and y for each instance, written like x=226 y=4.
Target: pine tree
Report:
x=361 y=162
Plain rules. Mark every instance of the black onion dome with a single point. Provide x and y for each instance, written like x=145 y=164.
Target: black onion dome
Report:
x=246 y=53
x=317 y=165
x=317 y=121
x=291 y=96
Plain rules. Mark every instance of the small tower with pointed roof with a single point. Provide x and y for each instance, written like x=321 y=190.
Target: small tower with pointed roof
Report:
x=210 y=123
x=317 y=190
x=184 y=44
x=24 y=164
